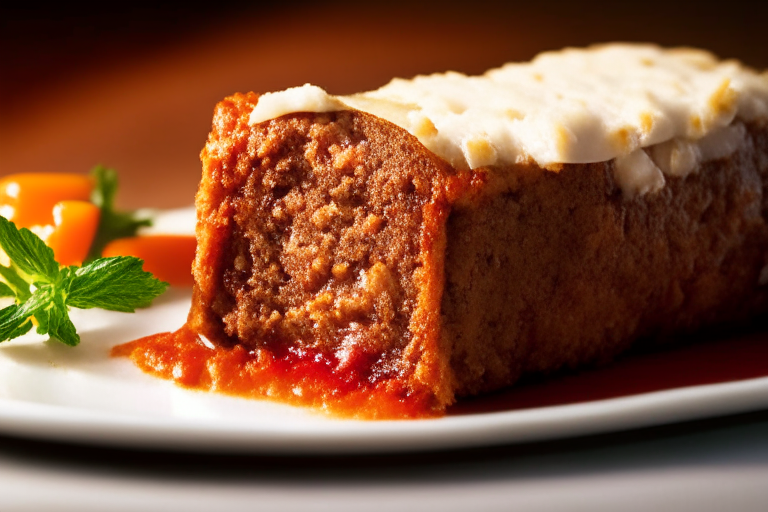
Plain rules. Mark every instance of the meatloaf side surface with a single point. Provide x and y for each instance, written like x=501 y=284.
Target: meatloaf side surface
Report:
x=339 y=232
x=550 y=269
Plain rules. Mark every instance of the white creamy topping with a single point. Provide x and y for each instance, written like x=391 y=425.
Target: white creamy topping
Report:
x=307 y=98
x=679 y=157
x=571 y=106
x=636 y=173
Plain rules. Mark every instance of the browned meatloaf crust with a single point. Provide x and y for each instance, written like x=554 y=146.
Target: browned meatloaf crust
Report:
x=339 y=232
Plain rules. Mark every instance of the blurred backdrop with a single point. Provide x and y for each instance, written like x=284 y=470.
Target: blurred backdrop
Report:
x=134 y=86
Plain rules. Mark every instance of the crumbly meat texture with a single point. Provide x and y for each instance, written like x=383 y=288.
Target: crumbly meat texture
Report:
x=341 y=232
x=317 y=231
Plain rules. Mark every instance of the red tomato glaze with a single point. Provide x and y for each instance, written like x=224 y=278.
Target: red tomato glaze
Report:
x=284 y=374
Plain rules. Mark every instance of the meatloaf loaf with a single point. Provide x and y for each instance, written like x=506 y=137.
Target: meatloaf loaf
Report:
x=440 y=267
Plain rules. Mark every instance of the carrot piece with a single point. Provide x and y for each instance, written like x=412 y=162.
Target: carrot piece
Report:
x=168 y=257
x=28 y=199
x=74 y=226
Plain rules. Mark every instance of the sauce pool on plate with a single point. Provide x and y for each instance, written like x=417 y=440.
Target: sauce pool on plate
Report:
x=298 y=377
x=307 y=378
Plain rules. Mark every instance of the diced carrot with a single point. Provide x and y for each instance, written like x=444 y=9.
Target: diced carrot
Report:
x=75 y=224
x=28 y=198
x=168 y=257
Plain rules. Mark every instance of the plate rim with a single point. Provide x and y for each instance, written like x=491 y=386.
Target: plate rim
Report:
x=343 y=436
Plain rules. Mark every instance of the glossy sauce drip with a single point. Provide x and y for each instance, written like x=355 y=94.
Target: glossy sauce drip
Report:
x=181 y=357
x=723 y=358
x=302 y=377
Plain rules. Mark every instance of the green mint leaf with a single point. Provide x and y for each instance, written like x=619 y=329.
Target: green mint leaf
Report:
x=112 y=224
x=15 y=282
x=41 y=314
x=15 y=319
x=42 y=322
x=28 y=253
x=116 y=284
x=6 y=291
x=58 y=324
x=13 y=325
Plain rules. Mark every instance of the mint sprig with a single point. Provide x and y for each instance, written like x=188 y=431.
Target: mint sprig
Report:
x=6 y=291
x=113 y=224
x=117 y=284
x=45 y=292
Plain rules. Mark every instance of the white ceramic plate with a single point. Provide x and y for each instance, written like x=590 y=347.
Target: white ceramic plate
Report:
x=51 y=391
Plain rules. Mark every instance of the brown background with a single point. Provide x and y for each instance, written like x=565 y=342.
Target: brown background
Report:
x=134 y=87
